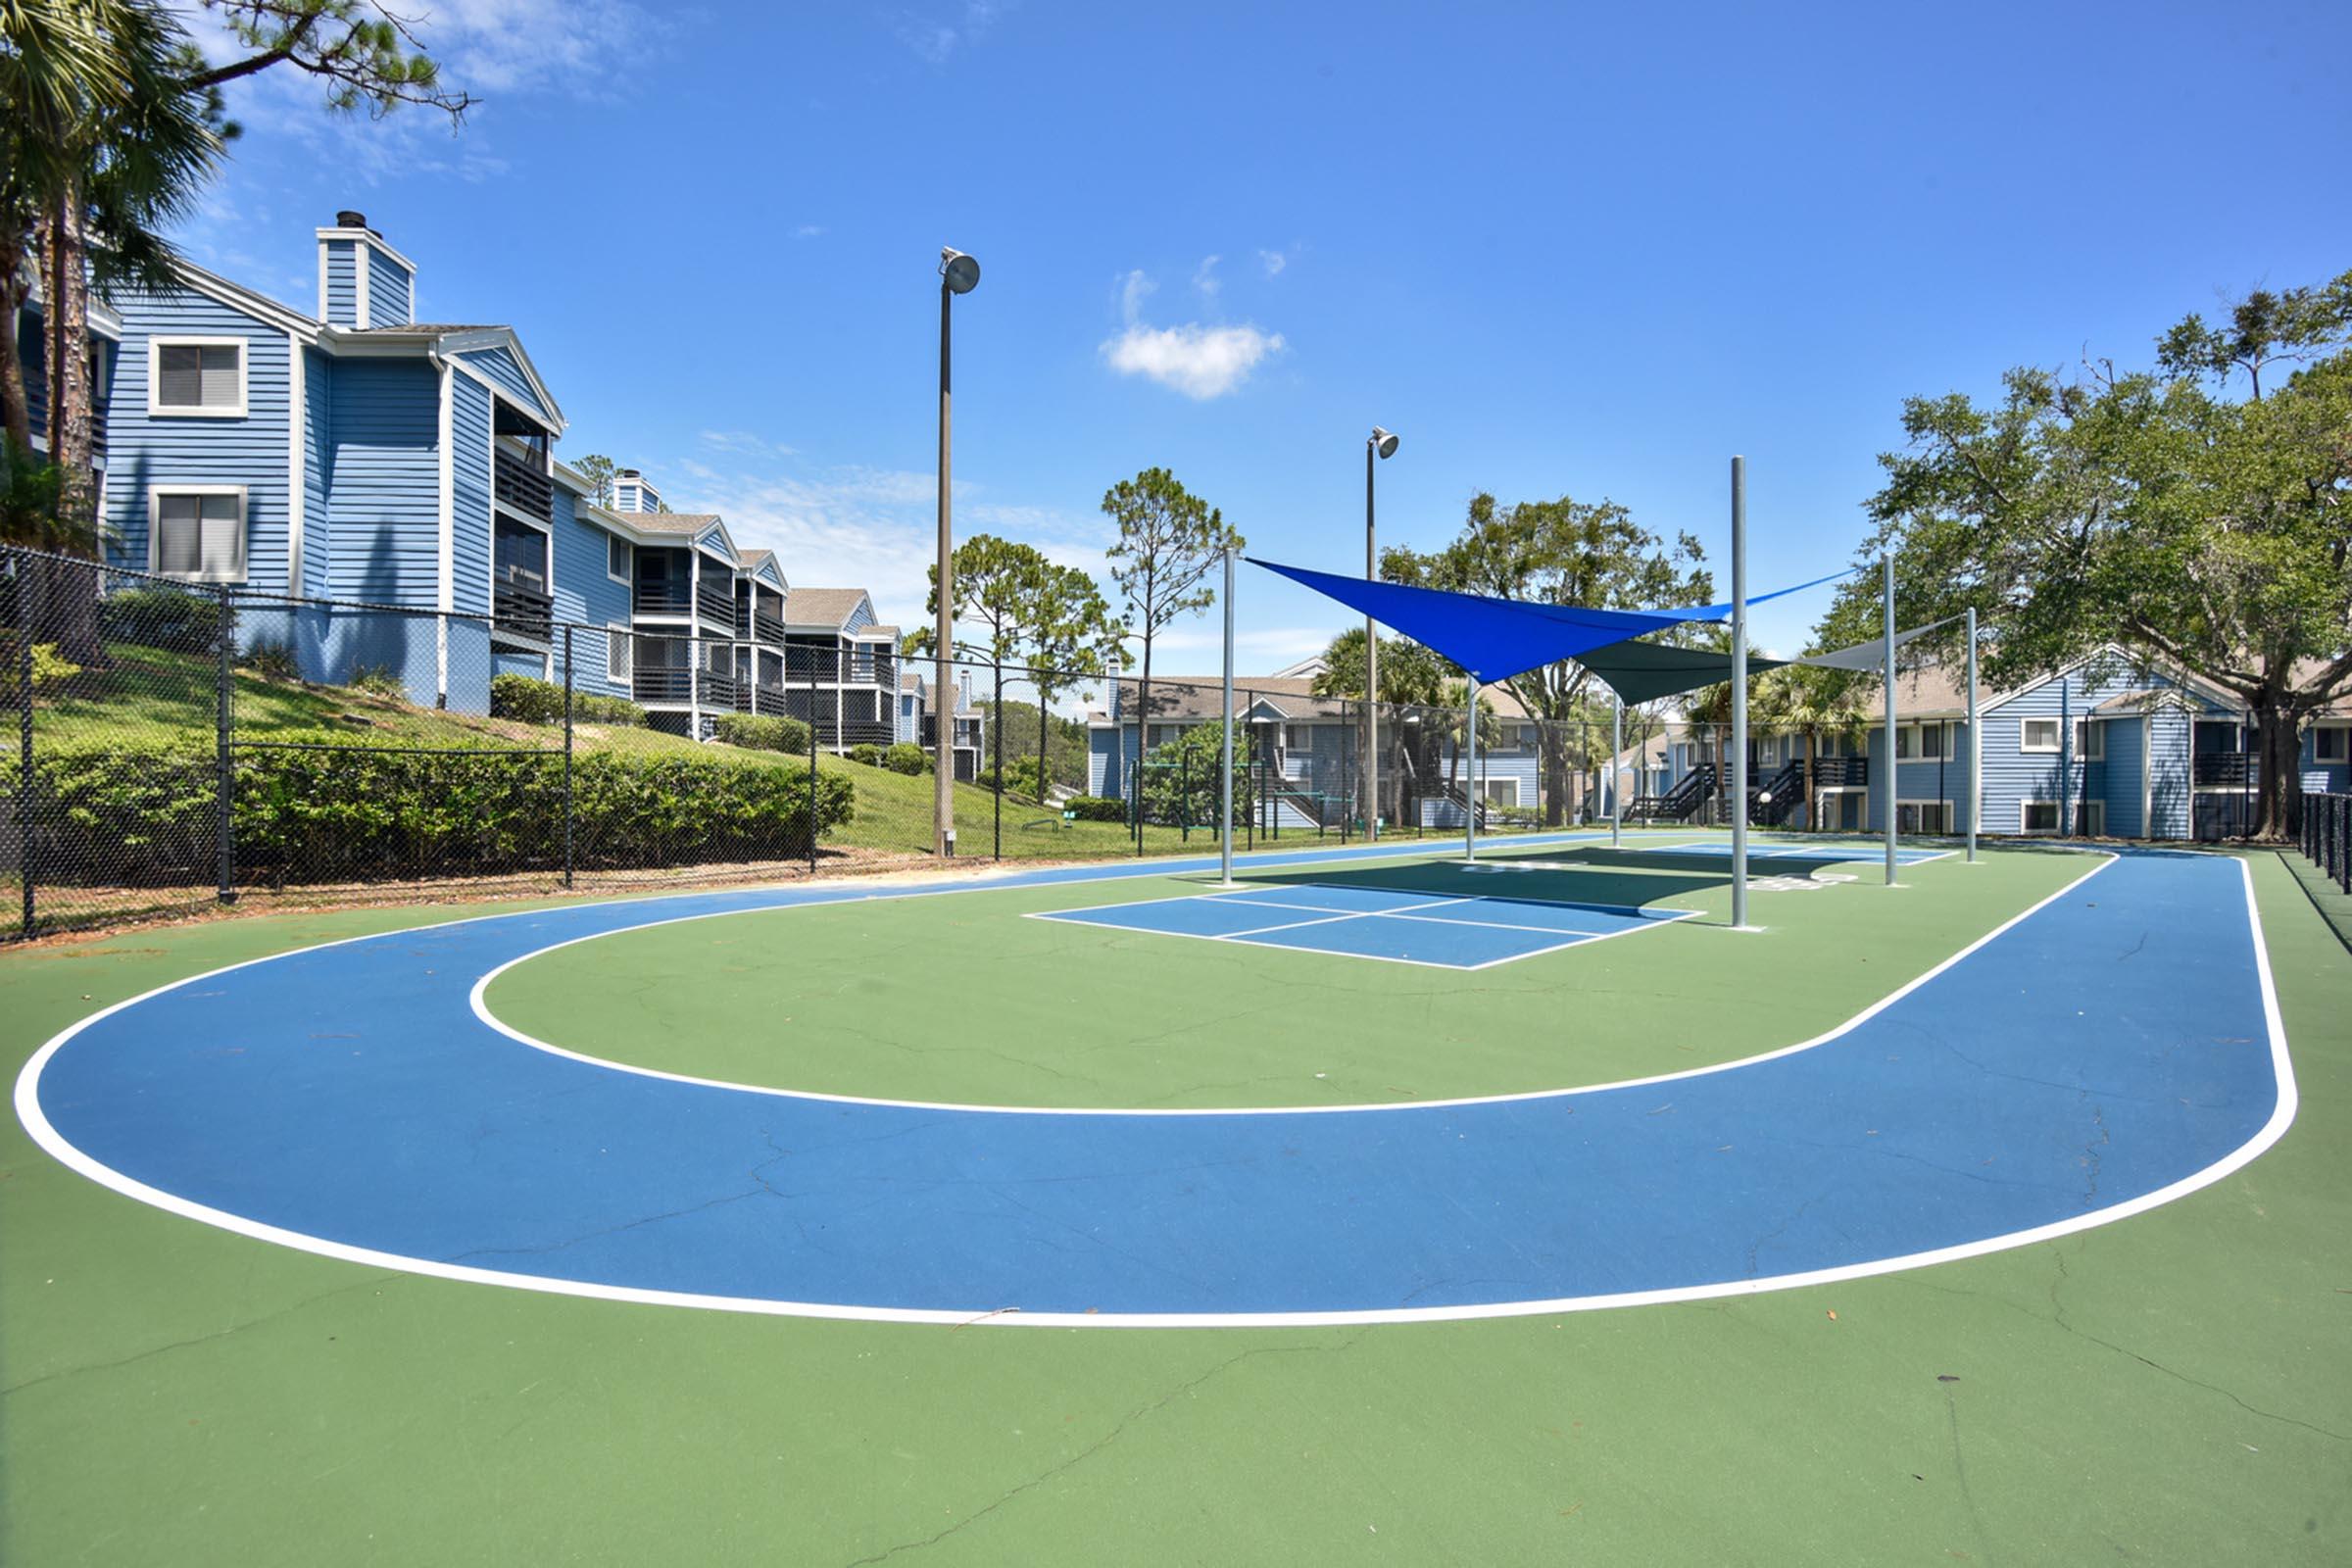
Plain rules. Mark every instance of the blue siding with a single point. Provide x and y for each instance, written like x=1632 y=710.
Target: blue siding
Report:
x=384 y=482
x=317 y=472
x=501 y=367
x=2126 y=765
x=583 y=592
x=342 y=303
x=159 y=450
x=469 y=477
x=2333 y=777
x=390 y=299
x=861 y=618
x=2167 y=767
x=514 y=662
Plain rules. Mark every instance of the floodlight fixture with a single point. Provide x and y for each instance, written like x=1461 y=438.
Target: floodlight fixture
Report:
x=961 y=271
x=1384 y=442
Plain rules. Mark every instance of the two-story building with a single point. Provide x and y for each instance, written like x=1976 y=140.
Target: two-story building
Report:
x=2109 y=746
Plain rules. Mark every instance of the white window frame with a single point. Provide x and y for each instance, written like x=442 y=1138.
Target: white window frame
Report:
x=2024 y=819
x=1833 y=806
x=2090 y=740
x=158 y=409
x=1489 y=785
x=618 y=638
x=1944 y=830
x=155 y=530
x=2343 y=743
x=2024 y=734
x=627 y=578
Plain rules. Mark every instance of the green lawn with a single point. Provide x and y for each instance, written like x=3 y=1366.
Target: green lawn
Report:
x=2168 y=1389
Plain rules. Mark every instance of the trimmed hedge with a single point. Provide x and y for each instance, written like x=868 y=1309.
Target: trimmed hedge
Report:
x=162 y=617
x=867 y=753
x=907 y=757
x=528 y=699
x=1095 y=809
x=763 y=732
x=144 y=814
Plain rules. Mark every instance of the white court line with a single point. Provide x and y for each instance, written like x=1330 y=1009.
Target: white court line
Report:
x=2282 y=1115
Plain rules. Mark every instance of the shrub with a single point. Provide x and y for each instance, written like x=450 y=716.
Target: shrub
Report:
x=144 y=814
x=528 y=699
x=907 y=757
x=763 y=732
x=162 y=617
x=1095 y=809
x=867 y=753
x=380 y=680
x=49 y=667
x=1025 y=775
x=274 y=658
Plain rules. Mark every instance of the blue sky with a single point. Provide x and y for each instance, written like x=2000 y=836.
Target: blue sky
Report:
x=1587 y=251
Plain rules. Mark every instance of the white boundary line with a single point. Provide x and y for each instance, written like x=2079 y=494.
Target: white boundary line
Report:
x=2282 y=1115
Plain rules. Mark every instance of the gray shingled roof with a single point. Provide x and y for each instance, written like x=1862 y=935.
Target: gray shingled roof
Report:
x=821 y=607
x=685 y=522
x=436 y=327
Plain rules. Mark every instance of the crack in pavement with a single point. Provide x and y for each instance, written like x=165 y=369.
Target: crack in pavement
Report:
x=200 y=1339
x=1103 y=1442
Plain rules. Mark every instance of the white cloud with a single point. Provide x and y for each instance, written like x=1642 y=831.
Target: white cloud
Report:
x=808 y=231
x=935 y=38
x=1205 y=276
x=1273 y=261
x=1272 y=647
x=1201 y=362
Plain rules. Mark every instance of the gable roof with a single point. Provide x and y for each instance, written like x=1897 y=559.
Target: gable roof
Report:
x=822 y=607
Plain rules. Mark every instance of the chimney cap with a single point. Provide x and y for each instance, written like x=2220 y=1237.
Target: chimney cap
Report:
x=347 y=219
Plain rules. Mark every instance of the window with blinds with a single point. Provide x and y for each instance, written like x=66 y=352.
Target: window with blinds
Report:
x=200 y=535
x=199 y=377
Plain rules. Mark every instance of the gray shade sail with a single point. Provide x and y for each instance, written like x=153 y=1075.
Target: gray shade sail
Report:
x=1637 y=671
x=1871 y=655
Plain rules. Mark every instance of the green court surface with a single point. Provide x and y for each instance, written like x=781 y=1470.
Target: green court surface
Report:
x=2173 y=1388
x=947 y=999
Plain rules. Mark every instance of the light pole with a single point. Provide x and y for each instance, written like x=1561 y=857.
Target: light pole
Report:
x=957 y=273
x=1380 y=444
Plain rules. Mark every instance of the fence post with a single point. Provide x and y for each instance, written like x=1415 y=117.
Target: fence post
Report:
x=894 y=699
x=223 y=773
x=27 y=852
x=1044 y=774
x=997 y=748
x=567 y=807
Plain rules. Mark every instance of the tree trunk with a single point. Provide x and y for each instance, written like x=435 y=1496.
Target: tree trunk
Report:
x=69 y=368
x=1555 y=777
x=16 y=406
x=1812 y=793
x=2278 y=759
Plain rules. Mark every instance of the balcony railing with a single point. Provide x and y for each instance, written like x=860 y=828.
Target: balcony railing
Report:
x=519 y=485
x=664 y=685
x=1841 y=772
x=662 y=596
x=715 y=602
x=2223 y=769
x=520 y=603
x=720 y=690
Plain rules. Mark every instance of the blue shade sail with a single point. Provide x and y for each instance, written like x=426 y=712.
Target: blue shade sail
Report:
x=1495 y=639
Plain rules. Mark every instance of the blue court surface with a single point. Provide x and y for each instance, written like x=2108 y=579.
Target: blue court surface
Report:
x=1394 y=925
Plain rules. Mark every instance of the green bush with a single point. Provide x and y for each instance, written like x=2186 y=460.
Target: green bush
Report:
x=274 y=658
x=763 y=732
x=1180 y=786
x=1025 y=775
x=867 y=753
x=907 y=757
x=1095 y=809
x=162 y=617
x=379 y=680
x=527 y=700
x=144 y=814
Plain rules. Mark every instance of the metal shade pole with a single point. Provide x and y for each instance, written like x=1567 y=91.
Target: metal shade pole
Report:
x=1739 y=693
x=1616 y=783
x=1975 y=750
x=1225 y=796
x=1888 y=562
x=1470 y=770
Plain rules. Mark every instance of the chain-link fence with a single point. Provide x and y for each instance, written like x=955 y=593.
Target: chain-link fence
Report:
x=182 y=744
x=2328 y=835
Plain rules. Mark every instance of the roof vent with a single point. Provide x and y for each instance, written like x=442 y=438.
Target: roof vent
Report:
x=347 y=219
x=627 y=473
